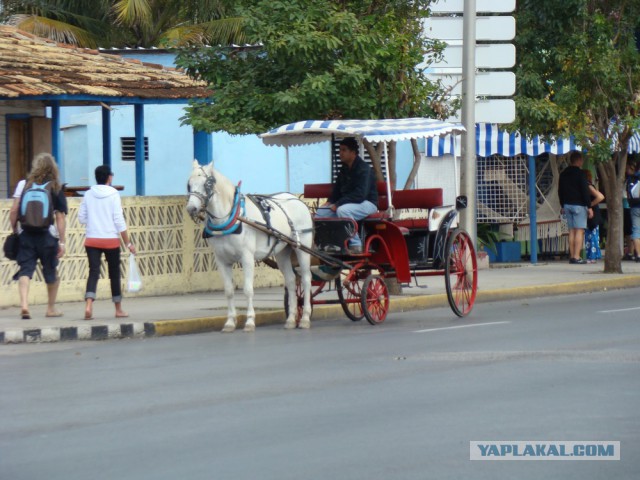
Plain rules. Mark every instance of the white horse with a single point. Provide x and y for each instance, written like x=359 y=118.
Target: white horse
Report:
x=216 y=201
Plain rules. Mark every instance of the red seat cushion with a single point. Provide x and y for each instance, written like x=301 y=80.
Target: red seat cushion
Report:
x=420 y=198
x=318 y=190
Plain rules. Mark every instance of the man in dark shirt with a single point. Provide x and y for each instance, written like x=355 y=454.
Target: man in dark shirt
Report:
x=354 y=194
x=575 y=200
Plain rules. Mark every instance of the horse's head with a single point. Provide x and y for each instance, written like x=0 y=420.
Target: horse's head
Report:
x=200 y=189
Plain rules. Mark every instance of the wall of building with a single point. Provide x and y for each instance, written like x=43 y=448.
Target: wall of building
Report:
x=243 y=158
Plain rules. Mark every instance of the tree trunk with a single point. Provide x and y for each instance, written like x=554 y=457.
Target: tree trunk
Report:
x=391 y=164
x=613 y=197
x=374 y=155
x=416 y=164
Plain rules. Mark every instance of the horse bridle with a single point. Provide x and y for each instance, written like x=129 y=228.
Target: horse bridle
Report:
x=209 y=186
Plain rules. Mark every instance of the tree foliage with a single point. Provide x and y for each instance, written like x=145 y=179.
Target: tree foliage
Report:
x=76 y=22
x=318 y=59
x=578 y=74
x=127 y=23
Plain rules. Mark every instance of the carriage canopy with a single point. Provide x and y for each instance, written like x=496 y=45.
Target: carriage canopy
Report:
x=375 y=131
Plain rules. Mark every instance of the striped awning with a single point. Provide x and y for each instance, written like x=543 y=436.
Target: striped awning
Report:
x=634 y=143
x=490 y=140
x=375 y=131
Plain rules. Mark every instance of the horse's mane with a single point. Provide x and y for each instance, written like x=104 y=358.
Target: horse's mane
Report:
x=226 y=189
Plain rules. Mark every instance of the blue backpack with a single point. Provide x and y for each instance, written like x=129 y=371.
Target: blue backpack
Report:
x=36 y=207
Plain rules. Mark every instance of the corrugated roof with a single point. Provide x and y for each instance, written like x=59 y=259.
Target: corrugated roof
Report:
x=33 y=66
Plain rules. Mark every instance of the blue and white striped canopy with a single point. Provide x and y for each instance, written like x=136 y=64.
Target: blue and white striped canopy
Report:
x=634 y=143
x=490 y=140
x=386 y=130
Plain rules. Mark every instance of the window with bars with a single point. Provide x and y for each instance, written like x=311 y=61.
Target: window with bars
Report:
x=128 y=148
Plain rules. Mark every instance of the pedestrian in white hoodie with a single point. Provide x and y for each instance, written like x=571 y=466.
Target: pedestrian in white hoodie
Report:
x=101 y=212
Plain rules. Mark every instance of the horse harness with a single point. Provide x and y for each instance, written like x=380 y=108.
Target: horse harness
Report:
x=265 y=204
x=233 y=223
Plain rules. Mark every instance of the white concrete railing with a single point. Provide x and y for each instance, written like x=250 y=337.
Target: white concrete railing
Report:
x=172 y=256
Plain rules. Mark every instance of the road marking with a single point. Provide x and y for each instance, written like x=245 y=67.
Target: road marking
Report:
x=460 y=326
x=620 y=310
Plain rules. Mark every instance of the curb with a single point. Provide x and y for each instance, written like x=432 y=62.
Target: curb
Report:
x=163 y=328
x=83 y=332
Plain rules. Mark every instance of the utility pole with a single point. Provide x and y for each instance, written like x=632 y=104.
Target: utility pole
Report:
x=468 y=167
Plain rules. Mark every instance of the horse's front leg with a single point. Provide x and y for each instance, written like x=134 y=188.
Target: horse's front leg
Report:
x=227 y=277
x=248 y=267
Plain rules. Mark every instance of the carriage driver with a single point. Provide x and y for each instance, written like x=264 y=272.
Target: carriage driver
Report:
x=354 y=194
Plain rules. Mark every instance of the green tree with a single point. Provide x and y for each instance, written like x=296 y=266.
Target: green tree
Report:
x=122 y=23
x=319 y=59
x=578 y=74
x=175 y=23
x=76 y=22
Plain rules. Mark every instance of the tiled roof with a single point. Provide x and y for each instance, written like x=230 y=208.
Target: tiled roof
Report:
x=31 y=66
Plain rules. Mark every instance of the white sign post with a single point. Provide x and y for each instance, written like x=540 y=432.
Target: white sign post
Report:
x=494 y=85
x=472 y=69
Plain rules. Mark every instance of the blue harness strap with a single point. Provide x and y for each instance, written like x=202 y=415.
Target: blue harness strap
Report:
x=231 y=225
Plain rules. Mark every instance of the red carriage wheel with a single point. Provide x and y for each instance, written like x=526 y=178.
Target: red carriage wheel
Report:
x=375 y=299
x=461 y=272
x=349 y=294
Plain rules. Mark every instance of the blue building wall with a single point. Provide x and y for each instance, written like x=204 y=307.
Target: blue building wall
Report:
x=261 y=169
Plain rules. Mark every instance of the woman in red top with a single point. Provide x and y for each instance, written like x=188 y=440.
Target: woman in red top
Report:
x=101 y=212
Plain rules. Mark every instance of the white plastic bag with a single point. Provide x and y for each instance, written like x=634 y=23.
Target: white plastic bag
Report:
x=134 y=282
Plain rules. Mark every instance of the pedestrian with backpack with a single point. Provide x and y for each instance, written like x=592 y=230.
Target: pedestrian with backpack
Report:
x=38 y=214
x=101 y=212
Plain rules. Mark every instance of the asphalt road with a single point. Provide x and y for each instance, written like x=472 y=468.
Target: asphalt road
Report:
x=342 y=401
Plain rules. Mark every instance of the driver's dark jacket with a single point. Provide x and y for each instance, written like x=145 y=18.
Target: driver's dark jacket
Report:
x=355 y=184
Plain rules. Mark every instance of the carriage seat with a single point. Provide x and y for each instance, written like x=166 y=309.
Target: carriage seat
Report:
x=323 y=191
x=422 y=198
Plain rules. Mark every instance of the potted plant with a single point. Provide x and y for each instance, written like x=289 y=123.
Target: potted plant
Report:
x=488 y=239
x=496 y=245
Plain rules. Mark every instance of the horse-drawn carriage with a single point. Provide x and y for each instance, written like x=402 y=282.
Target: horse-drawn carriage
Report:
x=393 y=247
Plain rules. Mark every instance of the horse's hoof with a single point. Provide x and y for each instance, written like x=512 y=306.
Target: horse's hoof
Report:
x=290 y=325
x=228 y=328
x=249 y=327
x=305 y=325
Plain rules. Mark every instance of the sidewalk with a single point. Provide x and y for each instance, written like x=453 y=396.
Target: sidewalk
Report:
x=203 y=312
